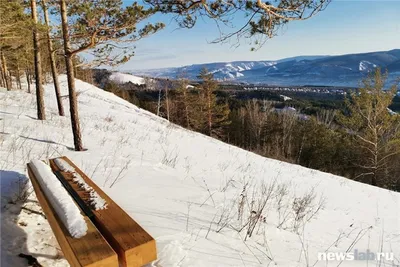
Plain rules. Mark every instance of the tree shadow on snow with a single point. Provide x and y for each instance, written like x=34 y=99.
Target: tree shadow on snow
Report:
x=46 y=141
x=13 y=236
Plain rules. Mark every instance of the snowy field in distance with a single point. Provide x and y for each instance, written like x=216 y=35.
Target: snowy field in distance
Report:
x=183 y=187
x=120 y=77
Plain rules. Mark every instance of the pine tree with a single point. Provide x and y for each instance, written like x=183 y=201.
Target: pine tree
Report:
x=51 y=52
x=38 y=67
x=184 y=103
x=167 y=102
x=264 y=18
x=99 y=26
x=15 y=25
x=73 y=102
x=3 y=75
x=376 y=131
x=216 y=114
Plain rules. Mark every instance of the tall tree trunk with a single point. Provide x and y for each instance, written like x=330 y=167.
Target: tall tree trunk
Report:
x=167 y=101
x=52 y=61
x=185 y=100
x=2 y=79
x=73 y=103
x=209 y=113
x=18 y=77
x=159 y=102
x=38 y=66
x=375 y=156
x=31 y=76
x=5 y=71
x=2 y=83
x=28 y=80
x=9 y=76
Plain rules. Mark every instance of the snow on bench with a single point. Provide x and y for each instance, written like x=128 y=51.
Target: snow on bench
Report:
x=60 y=200
x=75 y=233
x=95 y=200
x=134 y=246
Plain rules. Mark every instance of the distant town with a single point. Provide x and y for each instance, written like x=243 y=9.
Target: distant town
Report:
x=333 y=90
x=305 y=89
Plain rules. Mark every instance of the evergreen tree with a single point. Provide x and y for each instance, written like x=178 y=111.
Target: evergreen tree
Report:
x=99 y=26
x=376 y=131
x=15 y=25
x=216 y=114
x=264 y=18
x=185 y=102
x=38 y=65
x=52 y=59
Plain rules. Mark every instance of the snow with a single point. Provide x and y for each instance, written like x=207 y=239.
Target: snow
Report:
x=95 y=199
x=178 y=185
x=230 y=75
x=119 y=77
x=60 y=200
x=391 y=112
x=365 y=65
x=238 y=74
x=64 y=166
x=285 y=98
x=273 y=67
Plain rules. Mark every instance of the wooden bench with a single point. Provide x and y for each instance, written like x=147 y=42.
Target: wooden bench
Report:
x=113 y=237
x=90 y=250
x=134 y=246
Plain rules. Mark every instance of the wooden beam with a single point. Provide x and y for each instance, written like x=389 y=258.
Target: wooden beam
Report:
x=134 y=246
x=91 y=250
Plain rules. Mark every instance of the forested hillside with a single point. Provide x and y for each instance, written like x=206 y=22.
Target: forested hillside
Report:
x=356 y=134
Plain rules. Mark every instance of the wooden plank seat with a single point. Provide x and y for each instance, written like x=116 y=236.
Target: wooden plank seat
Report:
x=134 y=246
x=90 y=250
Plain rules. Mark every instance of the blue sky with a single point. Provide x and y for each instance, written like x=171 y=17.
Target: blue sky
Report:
x=344 y=27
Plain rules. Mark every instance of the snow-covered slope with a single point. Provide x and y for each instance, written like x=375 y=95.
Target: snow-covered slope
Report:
x=185 y=189
x=120 y=77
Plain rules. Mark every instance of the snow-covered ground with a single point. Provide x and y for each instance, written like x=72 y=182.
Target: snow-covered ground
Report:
x=185 y=189
x=120 y=77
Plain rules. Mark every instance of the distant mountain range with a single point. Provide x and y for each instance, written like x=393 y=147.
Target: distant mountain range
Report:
x=344 y=70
